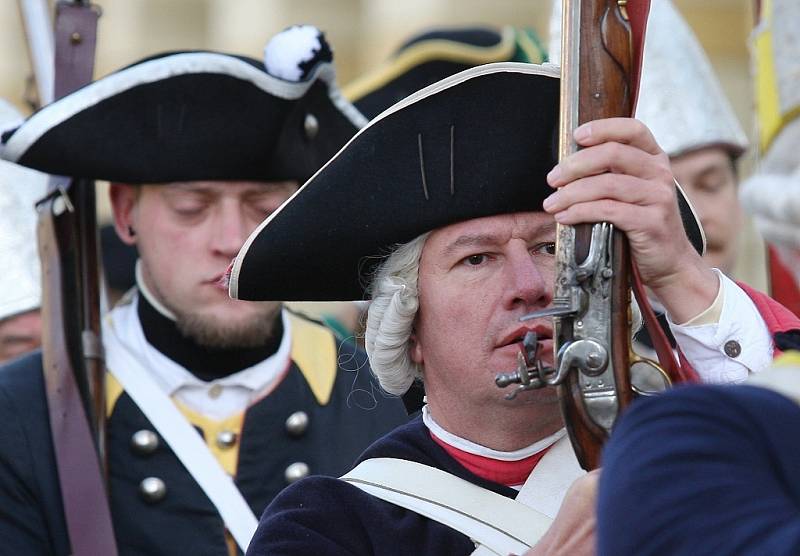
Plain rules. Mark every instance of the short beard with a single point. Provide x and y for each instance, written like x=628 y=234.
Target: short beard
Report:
x=211 y=332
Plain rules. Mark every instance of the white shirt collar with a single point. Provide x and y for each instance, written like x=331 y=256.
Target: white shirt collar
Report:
x=172 y=377
x=472 y=448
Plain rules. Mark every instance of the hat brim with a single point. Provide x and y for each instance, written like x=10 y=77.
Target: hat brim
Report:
x=188 y=116
x=476 y=144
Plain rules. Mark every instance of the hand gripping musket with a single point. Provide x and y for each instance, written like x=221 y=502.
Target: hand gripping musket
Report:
x=72 y=349
x=601 y=51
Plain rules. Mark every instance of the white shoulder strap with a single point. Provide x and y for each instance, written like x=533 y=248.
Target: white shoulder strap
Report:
x=500 y=524
x=551 y=478
x=188 y=446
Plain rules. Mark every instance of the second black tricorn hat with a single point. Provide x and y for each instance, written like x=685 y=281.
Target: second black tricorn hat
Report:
x=436 y=53
x=476 y=144
x=197 y=115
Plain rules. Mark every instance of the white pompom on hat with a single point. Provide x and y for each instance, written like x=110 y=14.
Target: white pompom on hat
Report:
x=292 y=53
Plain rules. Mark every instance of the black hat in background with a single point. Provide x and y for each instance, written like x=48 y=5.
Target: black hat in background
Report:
x=437 y=53
x=197 y=115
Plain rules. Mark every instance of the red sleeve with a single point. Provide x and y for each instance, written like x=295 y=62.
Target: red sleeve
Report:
x=777 y=317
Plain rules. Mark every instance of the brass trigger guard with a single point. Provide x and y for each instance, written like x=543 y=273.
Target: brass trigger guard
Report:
x=635 y=358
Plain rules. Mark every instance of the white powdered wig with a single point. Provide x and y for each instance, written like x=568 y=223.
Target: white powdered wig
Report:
x=287 y=50
x=390 y=319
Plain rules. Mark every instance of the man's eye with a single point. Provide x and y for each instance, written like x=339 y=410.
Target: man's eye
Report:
x=712 y=186
x=475 y=260
x=264 y=211
x=548 y=248
x=188 y=209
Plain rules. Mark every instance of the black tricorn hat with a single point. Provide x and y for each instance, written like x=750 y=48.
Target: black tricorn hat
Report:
x=437 y=53
x=476 y=144
x=197 y=115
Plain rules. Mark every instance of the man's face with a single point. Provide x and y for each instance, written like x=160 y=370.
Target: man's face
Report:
x=476 y=279
x=20 y=334
x=709 y=179
x=187 y=234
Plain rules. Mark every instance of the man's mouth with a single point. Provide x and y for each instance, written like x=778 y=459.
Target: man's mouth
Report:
x=516 y=336
x=220 y=281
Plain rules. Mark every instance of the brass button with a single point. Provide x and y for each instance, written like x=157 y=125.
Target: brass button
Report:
x=215 y=391
x=732 y=348
x=297 y=423
x=144 y=442
x=152 y=490
x=311 y=126
x=226 y=439
x=296 y=471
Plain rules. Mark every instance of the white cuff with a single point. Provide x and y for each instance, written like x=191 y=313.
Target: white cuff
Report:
x=726 y=352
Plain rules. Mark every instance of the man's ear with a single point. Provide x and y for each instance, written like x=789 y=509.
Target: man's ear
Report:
x=123 y=202
x=415 y=349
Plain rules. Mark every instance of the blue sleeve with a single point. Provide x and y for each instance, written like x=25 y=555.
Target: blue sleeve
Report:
x=703 y=470
x=25 y=514
x=312 y=516
x=328 y=517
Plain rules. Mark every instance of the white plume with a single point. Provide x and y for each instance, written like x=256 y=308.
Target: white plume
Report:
x=288 y=49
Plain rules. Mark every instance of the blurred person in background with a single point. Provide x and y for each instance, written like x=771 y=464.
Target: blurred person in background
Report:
x=772 y=194
x=683 y=104
x=20 y=281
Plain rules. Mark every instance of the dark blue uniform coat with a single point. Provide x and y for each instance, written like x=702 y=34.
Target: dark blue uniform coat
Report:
x=184 y=522
x=328 y=517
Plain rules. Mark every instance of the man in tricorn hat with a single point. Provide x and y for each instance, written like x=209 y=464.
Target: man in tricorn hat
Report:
x=445 y=220
x=20 y=289
x=429 y=56
x=199 y=147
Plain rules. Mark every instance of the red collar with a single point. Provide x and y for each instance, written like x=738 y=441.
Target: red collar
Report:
x=509 y=473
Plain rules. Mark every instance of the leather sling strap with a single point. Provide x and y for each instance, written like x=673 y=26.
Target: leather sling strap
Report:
x=86 y=509
x=500 y=524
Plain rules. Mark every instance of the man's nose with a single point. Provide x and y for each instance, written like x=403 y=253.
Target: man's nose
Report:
x=230 y=232
x=527 y=283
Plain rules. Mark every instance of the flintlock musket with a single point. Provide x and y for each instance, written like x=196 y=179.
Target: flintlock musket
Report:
x=602 y=43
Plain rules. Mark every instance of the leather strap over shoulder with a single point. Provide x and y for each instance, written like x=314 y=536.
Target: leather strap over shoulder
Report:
x=500 y=524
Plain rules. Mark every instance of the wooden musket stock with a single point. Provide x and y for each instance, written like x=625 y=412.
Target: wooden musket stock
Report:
x=604 y=75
